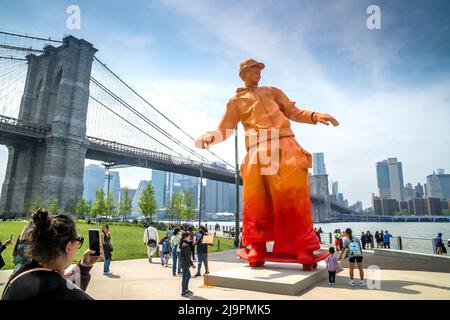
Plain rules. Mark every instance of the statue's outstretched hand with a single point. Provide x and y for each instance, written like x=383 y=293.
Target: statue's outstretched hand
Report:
x=204 y=140
x=325 y=118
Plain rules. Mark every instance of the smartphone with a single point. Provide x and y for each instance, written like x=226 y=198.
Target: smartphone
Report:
x=94 y=241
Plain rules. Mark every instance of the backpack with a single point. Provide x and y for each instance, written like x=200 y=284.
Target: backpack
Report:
x=354 y=249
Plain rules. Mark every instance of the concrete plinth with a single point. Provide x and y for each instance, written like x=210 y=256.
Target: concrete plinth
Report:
x=278 y=278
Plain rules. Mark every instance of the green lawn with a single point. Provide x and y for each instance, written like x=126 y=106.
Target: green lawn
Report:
x=127 y=240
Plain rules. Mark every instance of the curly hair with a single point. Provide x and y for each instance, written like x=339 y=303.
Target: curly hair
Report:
x=48 y=235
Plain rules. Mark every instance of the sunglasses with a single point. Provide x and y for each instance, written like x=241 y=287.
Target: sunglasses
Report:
x=80 y=240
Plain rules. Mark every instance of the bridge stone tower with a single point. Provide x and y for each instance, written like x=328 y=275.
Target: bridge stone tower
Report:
x=319 y=187
x=56 y=94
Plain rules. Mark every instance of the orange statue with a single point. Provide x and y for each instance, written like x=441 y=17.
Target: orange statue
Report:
x=276 y=201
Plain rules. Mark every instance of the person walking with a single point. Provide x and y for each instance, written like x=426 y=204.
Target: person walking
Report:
x=318 y=231
x=379 y=239
x=438 y=243
x=363 y=240
x=337 y=240
x=332 y=266
x=175 y=241
x=240 y=238
x=2 y=248
x=107 y=249
x=369 y=239
x=169 y=231
x=387 y=240
x=161 y=255
x=165 y=252
x=192 y=241
x=151 y=239
x=202 y=251
x=185 y=263
x=353 y=245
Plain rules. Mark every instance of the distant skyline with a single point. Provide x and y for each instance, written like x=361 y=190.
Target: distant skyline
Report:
x=389 y=88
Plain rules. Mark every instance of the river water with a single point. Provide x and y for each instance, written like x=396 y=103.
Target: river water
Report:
x=416 y=236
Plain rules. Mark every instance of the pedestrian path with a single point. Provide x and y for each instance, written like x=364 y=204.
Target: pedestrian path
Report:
x=401 y=278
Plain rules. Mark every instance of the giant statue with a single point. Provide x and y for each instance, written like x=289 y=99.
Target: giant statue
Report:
x=276 y=201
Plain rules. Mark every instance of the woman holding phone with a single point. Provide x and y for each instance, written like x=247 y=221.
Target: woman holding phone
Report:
x=52 y=244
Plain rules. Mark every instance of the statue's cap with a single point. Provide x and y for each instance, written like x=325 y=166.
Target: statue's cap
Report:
x=250 y=63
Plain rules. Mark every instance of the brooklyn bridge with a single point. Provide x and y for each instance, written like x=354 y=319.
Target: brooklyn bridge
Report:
x=60 y=105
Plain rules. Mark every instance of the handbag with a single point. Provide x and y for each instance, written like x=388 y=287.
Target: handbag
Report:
x=151 y=242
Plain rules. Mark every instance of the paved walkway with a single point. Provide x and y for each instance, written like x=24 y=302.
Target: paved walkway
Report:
x=138 y=279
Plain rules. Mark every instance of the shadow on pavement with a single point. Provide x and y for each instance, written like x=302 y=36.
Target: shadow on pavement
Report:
x=398 y=286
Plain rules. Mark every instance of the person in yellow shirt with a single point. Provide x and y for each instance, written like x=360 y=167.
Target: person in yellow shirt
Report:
x=276 y=202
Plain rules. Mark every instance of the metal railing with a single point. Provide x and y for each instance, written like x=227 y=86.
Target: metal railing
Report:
x=23 y=127
x=106 y=145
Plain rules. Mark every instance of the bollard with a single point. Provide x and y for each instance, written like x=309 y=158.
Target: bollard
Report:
x=218 y=245
x=433 y=245
x=400 y=246
x=331 y=238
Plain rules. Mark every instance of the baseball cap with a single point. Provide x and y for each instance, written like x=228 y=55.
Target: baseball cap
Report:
x=250 y=63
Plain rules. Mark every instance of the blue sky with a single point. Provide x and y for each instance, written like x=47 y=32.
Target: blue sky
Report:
x=389 y=88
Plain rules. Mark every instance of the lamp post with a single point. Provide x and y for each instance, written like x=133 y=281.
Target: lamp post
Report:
x=108 y=177
x=201 y=196
x=237 y=227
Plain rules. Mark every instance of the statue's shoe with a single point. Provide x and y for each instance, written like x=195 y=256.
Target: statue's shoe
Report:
x=256 y=255
x=306 y=256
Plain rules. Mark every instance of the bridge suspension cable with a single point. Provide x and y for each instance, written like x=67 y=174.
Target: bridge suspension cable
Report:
x=148 y=121
x=160 y=113
x=134 y=126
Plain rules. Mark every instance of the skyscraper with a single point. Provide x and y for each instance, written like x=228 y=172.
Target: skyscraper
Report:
x=390 y=179
x=159 y=185
x=384 y=186
x=410 y=192
x=419 y=191
x=335 y=188
x=396 y=179
x=93 y=179
x=319 y=164
x=438 y=185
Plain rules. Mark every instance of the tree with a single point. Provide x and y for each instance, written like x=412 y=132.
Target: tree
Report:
x=125 y=205
x=53 y=206
x=32 y=206
x=98 y=207
x=175 y=205
x=70 y=206
x=401 y=213
x=28 y=206
x=147 y=202
x=82 y=208
x=110 y=205
x=187 y=206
